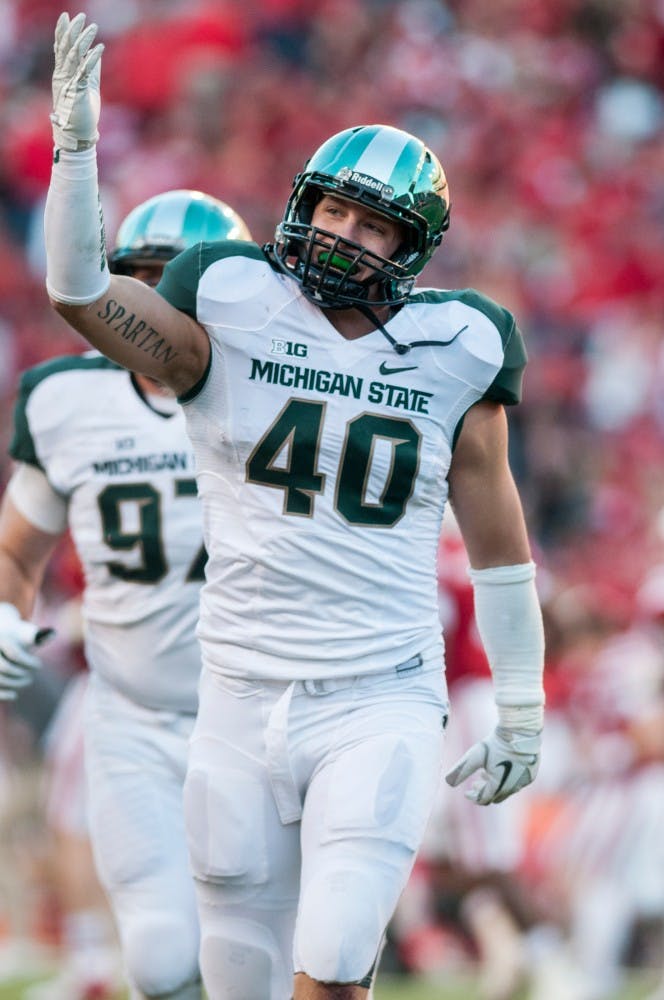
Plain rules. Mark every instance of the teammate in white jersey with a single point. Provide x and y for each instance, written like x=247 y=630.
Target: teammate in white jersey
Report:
x=331 y=407
x=105 y=453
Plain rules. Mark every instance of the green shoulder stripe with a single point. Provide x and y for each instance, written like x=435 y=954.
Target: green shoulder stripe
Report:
x=506 y=387
x=179 y=282
x=22 y=446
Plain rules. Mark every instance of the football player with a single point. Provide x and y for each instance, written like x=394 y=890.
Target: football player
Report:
x=104 y=452
x=332 y=407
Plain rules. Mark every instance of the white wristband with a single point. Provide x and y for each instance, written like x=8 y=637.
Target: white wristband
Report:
x=76 y=266
x=509 y=621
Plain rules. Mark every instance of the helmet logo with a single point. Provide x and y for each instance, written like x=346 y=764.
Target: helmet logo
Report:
x=346 y=175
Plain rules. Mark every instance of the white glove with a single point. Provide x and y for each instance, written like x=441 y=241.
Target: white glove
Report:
x=17 y=663
x=509 y=760
x=76 y=100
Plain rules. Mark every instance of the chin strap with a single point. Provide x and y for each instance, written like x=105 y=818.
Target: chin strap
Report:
x=367 y=311
x=401 y=349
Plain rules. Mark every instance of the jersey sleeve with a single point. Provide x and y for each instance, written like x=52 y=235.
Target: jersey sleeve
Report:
x=41 y=414
x=506 y=388
x=36 y=500
x=507 y=385
x=22 y=446
x=179 y=282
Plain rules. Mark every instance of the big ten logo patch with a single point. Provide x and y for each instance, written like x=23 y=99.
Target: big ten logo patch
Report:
x=289 y=348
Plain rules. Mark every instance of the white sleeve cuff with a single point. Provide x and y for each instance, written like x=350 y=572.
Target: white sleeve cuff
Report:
x=509 y=620
x=76 y=266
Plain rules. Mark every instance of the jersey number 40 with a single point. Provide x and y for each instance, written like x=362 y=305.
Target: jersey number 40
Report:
x=296 y=433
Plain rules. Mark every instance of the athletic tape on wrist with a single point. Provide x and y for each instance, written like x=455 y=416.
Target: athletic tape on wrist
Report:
x=76 y=265
x=509 y=620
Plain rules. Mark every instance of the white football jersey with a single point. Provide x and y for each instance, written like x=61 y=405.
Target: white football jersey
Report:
x=127 y=473
x=322 y=463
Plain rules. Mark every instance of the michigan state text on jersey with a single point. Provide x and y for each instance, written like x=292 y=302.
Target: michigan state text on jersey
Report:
x=327 y=464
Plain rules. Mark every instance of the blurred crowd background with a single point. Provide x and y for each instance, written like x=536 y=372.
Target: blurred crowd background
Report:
x=549 y=120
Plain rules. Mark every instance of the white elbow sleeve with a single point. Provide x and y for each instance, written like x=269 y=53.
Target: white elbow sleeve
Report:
x=76 y=266
x=36 y=500
x=509 y=620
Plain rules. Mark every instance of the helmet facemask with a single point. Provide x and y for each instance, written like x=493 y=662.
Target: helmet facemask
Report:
x=324 y=263
x=127 y=260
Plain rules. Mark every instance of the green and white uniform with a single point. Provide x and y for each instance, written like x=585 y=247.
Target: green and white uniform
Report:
x=309 y=446
x=322 y=466
x=127 y=474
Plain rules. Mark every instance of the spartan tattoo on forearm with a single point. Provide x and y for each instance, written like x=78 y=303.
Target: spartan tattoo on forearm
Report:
x=137 y=331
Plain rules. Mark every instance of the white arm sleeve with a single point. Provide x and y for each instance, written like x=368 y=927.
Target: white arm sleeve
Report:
x=509 y=620
x=76 y=266
x=36 y=500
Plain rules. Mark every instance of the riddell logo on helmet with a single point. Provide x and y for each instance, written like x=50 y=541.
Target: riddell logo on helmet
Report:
x=371 y=183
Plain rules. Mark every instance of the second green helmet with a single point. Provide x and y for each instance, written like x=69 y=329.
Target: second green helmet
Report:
x=163 y=226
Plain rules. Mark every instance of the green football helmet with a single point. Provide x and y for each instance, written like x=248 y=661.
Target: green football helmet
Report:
x=165 y=225
x=388 y=170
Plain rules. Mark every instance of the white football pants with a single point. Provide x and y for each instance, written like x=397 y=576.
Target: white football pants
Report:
x=305 y=803
x=135 y=765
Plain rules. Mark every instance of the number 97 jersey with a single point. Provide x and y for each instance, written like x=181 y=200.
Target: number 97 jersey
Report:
x=127 y=473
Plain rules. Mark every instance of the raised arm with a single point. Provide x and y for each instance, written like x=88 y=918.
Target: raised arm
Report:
x=488 y=510
x=122 y=317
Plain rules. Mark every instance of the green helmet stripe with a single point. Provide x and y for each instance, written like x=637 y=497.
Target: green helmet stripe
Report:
x=196 y=221
x=382 y=154
x=409 y=163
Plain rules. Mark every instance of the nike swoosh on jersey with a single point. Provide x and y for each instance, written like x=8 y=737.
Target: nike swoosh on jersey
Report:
x=384 y=370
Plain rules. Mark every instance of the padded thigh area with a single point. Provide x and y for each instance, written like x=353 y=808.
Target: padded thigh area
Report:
x=236 y=838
